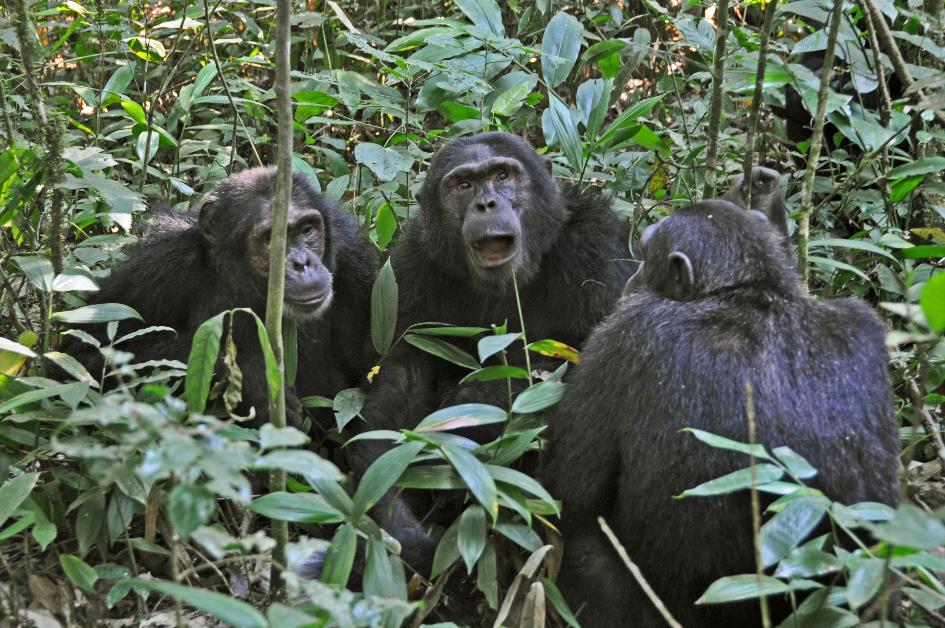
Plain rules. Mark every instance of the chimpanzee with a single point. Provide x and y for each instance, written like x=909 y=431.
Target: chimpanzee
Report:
x=715 y=304
x=765 y=196
x=490 y=211
x=190 y=267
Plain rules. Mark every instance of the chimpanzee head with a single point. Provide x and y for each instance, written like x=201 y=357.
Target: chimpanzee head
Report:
x=236 y=220
x=765 y=195
x=490 y=209
x=711 y=248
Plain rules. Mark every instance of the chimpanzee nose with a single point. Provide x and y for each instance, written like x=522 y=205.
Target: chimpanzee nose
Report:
x=300 y=263
x=484 y=206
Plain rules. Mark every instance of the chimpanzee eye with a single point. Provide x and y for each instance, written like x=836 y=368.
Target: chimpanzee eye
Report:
x=503 y=175
x=464 y=185
x=308 y=229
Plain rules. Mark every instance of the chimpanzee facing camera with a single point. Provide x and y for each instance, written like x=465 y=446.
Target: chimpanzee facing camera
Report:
x=716 y=304
x=491 y=217
x=191 y=266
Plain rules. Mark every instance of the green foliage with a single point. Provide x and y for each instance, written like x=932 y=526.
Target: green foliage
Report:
x=118 y=482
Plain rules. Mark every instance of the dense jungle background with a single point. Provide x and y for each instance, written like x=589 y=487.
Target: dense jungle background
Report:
x=129 y=504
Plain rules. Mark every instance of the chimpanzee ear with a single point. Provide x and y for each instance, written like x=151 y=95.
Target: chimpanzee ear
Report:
x=208 y=218
x=681 y=278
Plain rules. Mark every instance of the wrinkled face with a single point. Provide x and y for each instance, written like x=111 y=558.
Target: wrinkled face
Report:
x=486 y=195
x=308 y=282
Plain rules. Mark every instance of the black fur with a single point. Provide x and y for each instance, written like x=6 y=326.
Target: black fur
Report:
x=573 y=266
x=181 y=273
x=659 y=364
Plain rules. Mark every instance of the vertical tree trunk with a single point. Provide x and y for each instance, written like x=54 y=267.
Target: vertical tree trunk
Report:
x=277 y=246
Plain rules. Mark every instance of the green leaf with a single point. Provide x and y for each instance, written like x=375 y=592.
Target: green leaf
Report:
x=560 y=46
x=617 y=130
x=385 y=163
x=932 y=302
x=851 y=244
x=475 y=476
x=79 y=572
x=437 y=477
x=924 y=251
x=487 y=579
x=37 y=269
x=743 y=587
x=71 y=393
x=74 y=280
x=379 y=577
x=117 y=83
x=521 y=535
x=447 y=550
x=566 y=133
x=593 y=101
x=490 y=345
x=385 y=224
x=296 y=507
x=384 y=295
x=347 y=405
x=204 y=351
x=308 y=464
x=521 y=481
x=783 y=532
x=463 y=415
x=189 y=507
x=491 y=373
x=796 y=464
x=926 y=165
x=911 y=527
x=560 y=605
x=510 y=100
x=13 y=492
x=555 y=349
x=382 y=474
x=540 y=396
x=442 y=349
x=736 y=481
x=223 y=607
x=134 y=111
x=98 y=313
x=866 y=578
x=340 y=556
x=471 y=539
x=720 y=442
x=484 y=14
x=15 y=347
x=271 y=437
x=458 y=332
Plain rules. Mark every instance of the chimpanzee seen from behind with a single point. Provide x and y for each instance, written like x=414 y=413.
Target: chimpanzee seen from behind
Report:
x=716 y=304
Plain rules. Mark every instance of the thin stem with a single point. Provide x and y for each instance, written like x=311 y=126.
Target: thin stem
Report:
x=521 y=321
x=755 y=500
x=715 y=109
x=770 y=10
x=813 y=153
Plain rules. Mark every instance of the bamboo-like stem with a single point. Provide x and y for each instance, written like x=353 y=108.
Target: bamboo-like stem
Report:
x=277 y=247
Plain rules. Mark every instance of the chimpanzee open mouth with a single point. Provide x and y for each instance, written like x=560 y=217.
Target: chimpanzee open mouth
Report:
x=492 y=251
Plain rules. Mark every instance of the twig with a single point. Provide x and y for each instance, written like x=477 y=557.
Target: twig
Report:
x=813 y=153
x=715 y=109
x=226 y=89
x=755 y=500
x=918 y=404
x=756 y=98
x=637 y=574
x=892 y=50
